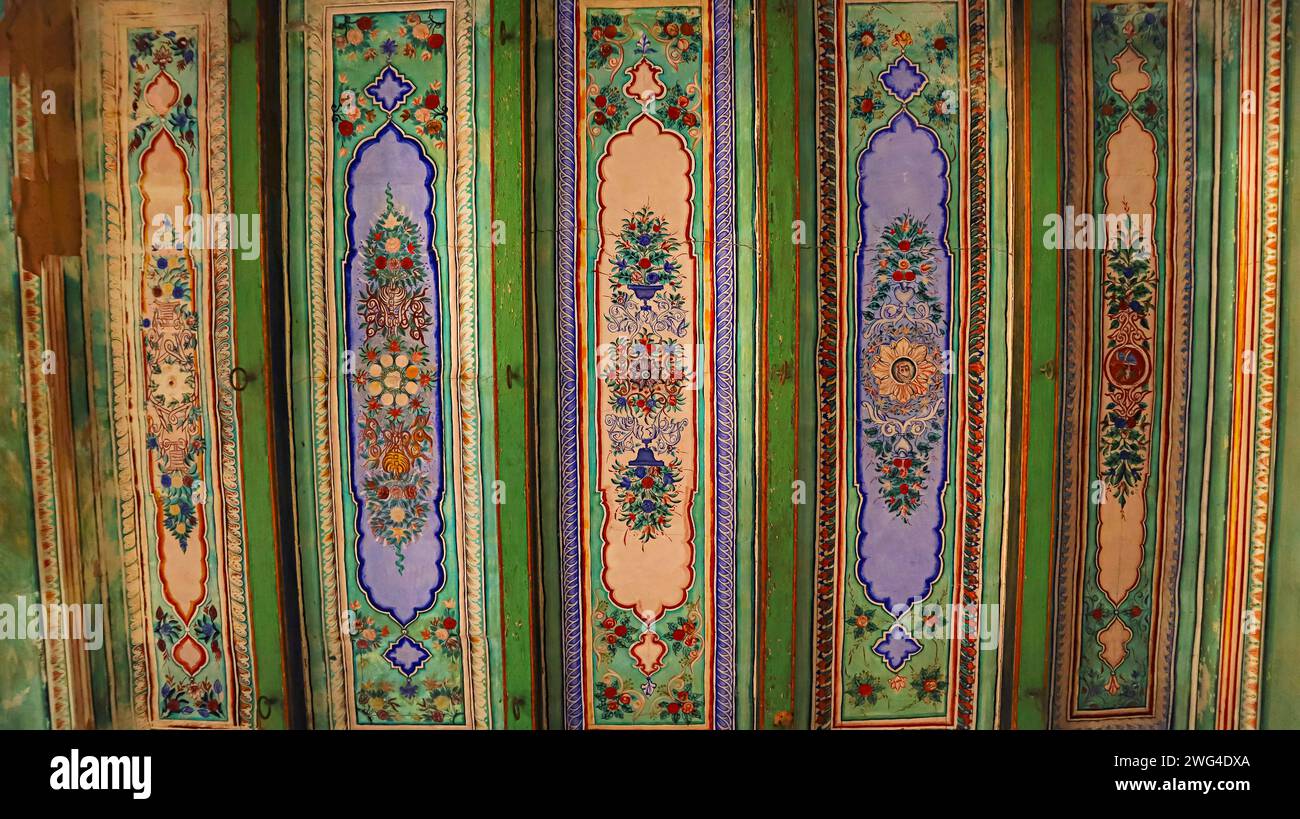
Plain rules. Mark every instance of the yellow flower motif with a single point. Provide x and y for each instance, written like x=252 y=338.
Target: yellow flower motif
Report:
x=903 y=370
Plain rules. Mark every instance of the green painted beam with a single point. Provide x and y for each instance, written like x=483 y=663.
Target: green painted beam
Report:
x=780 y=268
x=260 y=521
x=748 y=206
x=1202 y=374
x=548 y=455
x=1037 y=29
x=1203 y=700
x=509 y=382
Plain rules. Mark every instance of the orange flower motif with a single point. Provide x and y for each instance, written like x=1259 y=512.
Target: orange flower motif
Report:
x=903 y=370
x=902 y=39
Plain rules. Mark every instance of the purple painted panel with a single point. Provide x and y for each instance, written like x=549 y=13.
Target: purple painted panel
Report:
x=903 y=307
x=392 y=321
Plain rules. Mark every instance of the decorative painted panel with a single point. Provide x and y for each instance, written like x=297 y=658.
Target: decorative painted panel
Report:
x=391 y=155
x=1125 y=384
x=905 y=233
x=646 y=323
x=159 y=76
